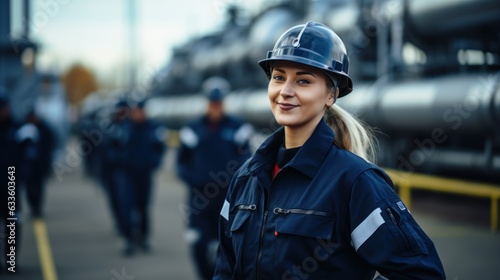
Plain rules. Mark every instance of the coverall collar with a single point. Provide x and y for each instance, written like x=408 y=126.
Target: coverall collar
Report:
x=309 y=158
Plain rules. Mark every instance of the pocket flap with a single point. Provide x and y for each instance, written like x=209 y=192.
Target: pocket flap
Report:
x=306 y=225
x=239 y=219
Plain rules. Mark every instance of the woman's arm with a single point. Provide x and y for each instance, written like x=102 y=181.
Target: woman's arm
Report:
x=384 y=233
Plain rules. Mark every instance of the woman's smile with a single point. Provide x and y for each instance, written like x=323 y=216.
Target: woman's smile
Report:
x=286 y=106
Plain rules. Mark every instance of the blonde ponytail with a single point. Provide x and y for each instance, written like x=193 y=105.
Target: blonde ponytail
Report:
x=351 y=134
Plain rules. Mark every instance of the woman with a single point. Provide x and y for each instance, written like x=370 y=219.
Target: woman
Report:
x=309 y=204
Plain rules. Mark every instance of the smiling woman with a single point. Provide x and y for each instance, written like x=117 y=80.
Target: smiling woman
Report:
x=308 y=200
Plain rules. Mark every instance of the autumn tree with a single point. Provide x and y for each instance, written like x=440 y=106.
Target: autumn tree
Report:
x=79 y=82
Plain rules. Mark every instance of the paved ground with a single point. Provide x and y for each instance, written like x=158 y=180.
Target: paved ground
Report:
x=459 y=228
x=83 y=241
x=84 y=245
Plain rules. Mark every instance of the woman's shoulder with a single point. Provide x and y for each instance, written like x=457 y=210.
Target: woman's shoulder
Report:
x=348 y=158
x=243 y=170
x=351 y=165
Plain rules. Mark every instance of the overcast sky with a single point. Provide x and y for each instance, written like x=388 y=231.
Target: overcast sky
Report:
x=95 y=32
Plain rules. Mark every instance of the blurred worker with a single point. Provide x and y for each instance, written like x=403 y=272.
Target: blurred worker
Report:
x=52 y=107
x=38 y=145
x=10 y=150
x=112 y=152
x=134 y=150
x=145 y=148
x=212 y=149
x=90 y=131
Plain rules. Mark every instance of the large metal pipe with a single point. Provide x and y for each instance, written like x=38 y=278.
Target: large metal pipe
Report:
x=440 y=18
x=176 y=111
x=496 y=104
x=460 y=104
x=464 y=164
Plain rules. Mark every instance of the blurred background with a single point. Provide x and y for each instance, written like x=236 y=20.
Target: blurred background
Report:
x=418 y=66
x=426 y=75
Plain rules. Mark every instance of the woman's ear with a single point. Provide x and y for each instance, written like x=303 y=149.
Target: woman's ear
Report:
x=333 y=93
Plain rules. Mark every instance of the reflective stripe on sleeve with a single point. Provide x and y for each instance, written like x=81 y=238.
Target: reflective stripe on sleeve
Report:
x=28 y=131
x=366 y=228
x=188 y=137
x=225 y=210
x=243 y=134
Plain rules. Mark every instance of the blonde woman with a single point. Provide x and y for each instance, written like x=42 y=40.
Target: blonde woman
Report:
x=309 y=204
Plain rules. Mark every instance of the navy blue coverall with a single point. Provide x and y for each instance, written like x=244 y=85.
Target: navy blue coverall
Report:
x=38 y=148
x=327 y=214
x=133 y=152
x=112 y=153
x=208 y=157
x=144 y=153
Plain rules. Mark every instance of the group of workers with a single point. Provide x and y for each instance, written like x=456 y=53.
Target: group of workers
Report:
x=132 y=147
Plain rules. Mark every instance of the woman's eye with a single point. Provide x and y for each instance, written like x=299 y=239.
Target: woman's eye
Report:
x=278 y=77
x=303 y=82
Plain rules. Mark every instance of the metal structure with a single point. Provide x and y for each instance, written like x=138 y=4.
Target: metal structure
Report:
x=27 y=88
x=13 y=43
x=426 y=75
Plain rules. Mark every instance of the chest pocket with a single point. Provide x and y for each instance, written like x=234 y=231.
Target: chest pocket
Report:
x=241 y=217
x=228 y=134
x=306 y=223
x=238 y=233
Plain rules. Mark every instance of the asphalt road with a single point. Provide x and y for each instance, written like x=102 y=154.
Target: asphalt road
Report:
x=84 y=245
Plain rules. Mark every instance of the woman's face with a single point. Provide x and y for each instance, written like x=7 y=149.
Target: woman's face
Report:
x=298 y=94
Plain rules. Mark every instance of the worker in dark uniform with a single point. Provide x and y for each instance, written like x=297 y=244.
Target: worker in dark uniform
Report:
x=132 y=150
x=212 y=148
x=10 y=151
x=90 y=132
x=112 y=152
x=38 y=142
x=309 y=204
x=145 y=149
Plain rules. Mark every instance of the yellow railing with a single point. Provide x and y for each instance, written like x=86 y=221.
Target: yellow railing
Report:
x=406 y=181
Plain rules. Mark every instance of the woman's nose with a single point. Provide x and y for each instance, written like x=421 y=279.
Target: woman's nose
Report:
x=287 y=89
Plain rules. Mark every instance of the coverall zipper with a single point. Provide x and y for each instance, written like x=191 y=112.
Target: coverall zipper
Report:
x=300 y=211
x=263 y=227
x=262 y=230
x=250 y=207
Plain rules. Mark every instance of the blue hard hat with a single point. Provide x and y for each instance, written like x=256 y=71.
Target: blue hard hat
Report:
x=141 y=103
x=216 y=88
x=316 y=45
x=215 y=95
x=122 y=103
